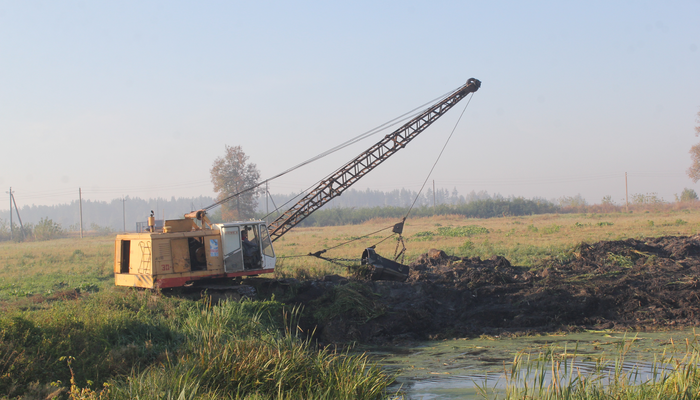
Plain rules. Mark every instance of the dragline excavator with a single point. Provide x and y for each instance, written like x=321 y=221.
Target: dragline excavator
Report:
x=194 y=249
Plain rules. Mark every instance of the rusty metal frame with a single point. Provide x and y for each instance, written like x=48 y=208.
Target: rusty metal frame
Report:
x=351 y=172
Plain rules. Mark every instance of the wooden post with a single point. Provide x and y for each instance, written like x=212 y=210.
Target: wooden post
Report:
x=124 y=211
x=267 y=203
x=80 y=202
x=433 y=194
x=11 y=228
x=627 y=199
x=21 y=226
x=238 y=205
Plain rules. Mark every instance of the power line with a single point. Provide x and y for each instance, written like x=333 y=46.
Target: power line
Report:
x=409 y=115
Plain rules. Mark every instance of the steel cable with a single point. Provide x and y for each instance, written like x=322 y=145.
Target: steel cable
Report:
x=341 y=146
x=438 y=157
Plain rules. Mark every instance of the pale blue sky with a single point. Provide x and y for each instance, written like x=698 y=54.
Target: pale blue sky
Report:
x=138 y=98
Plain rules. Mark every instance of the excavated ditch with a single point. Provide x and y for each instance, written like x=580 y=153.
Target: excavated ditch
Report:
x=646 y=284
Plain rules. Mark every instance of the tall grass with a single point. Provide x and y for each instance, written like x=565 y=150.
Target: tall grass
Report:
x=146 y=346
x=553 y=376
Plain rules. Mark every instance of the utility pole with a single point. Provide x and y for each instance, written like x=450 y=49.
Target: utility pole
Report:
x=12 y=197
x=80 y=202
x=267 y=205
x=627 y=199
x=433 y=193
x=11 y=228
x=238 y=205
x=124 y=211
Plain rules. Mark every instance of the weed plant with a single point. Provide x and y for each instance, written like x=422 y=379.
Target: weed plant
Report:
x=461 y=231
x=146 y=346
x=555 y=376
x=353 y=301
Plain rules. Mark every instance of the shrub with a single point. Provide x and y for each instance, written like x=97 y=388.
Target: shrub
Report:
x=554 y=228
x=424 y=235
x=572 y=201
x=649 y=198
x=101 y=230
x=687 y=195
x=46 y=229
x=462 y=231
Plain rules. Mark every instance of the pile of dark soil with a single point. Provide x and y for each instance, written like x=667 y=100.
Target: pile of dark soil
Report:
x=632 y=284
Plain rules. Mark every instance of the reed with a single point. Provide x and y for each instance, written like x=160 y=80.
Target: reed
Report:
x=146 y=346
x=555 y=376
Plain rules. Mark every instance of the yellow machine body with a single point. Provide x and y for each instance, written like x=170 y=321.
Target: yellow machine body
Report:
x=184 y=253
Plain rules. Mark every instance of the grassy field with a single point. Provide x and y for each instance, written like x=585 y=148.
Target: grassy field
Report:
x=67 y=332
x=523 y=240
x=50 y=267
x=62 y=319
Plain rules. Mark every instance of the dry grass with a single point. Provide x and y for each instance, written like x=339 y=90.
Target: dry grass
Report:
x=49 y=266
x=548 y=231
x=45 y=267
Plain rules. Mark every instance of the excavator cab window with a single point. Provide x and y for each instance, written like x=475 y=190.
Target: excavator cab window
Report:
x=250 y=238
x=266 y=243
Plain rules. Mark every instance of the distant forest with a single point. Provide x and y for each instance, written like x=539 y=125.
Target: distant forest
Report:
x=103 y=215
x=354 y=206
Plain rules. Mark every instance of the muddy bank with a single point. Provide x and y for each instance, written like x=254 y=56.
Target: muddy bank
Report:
x=632 y=284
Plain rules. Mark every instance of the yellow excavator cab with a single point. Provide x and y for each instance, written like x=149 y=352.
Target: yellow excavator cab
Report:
x=184 y=253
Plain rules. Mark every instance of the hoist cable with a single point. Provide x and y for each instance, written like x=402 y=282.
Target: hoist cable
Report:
x=318 y=253
x=364 y=135
x=352 y=240
x=397 y=120
x=341 y=146
x=438 y=157
x=273 y=203
x=414 y=201
x=383 y=240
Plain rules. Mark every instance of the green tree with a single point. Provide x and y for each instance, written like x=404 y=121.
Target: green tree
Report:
x=687 y=195
x=694 y=170
x=575 y=201
x=232 y=174
x=46 y=229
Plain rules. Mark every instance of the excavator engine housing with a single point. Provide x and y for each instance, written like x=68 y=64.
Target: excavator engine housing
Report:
x=183 y=254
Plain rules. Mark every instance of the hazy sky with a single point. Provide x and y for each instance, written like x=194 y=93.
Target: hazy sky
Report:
x=138 y=98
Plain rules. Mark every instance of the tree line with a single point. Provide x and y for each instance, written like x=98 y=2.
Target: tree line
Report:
x=484 y=208
x=354 y=206
x=98 y=216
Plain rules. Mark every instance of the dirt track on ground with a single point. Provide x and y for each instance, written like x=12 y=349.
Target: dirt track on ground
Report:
x=632 y=284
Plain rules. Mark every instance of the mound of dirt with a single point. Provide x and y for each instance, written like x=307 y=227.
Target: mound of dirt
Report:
x=631 y=284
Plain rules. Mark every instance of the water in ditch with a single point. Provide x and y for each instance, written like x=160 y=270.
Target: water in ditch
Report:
x=466 y=368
